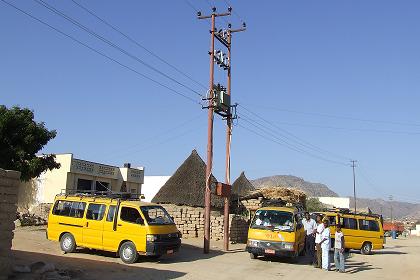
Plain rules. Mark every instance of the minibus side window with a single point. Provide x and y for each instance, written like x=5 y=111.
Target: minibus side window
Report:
x=348 y=223
x=369 y=225
x=69 y=208
x=111 y=213
x=95 y=211
x=77 y=209
x=131 y=215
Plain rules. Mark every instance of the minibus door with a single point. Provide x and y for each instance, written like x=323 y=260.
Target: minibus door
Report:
x=93 y=228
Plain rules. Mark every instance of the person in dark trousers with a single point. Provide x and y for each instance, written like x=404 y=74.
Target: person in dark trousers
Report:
x=309 y=225
x=339 y=249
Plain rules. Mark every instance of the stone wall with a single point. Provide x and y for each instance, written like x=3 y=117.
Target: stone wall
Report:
x=9 y=187
x=190 y=222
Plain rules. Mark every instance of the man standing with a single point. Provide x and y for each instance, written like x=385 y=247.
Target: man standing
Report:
x=339 y=249
x=319 y=230
x=309 y=225
x=325 y=246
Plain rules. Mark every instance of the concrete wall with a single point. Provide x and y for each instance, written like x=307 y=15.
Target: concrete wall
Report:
x=190 y=222
x=9 y=188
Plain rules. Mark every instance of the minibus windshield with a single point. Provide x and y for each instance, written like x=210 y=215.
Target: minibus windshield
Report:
x=273 y=220
x=156 y=215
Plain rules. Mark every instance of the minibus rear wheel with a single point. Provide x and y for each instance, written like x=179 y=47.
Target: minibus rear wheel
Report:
x=366 y=248
x=67 y=243
x=128 y=252
x=252 y=256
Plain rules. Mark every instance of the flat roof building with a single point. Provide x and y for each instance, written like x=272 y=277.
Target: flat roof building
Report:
x=82 y=175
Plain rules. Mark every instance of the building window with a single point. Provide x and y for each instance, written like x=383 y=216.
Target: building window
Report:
x=102 y=186
x=84 y=185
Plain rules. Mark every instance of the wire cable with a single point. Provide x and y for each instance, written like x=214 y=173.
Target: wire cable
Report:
x=115 y=46
x=336 y=116
x=295 y=138
x=286 y=144
x=100 y=53
x=137 y=43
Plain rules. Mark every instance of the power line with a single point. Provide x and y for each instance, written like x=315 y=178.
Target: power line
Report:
x=234 y=12
x=154 y=137
x=286 y=144
x=353 y=129
x=297 y=139
x=115 y=46
x=337 y=117
x=138 y=44
x=100 y=53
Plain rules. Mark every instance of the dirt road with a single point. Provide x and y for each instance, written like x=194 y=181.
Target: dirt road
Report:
x=400 y=258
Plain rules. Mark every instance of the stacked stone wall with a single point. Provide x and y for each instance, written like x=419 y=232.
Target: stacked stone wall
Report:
x=190 y=222
x=9 y=188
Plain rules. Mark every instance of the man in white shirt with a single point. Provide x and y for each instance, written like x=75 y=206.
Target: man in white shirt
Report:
x=325 y=246
x=319 y=230
x=309 y=225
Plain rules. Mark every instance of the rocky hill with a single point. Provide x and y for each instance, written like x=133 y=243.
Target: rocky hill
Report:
x=399 y=209
x=380 y=206
x=311 y=189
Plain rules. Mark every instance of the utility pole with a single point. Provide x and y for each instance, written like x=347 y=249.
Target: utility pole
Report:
x=228 y=136
x=354 y=183
x=390 y=204
x=207 y=202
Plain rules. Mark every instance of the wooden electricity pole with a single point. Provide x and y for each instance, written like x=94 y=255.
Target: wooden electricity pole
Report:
x=207 y=195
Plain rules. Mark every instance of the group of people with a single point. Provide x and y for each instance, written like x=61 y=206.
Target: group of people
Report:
x=318 y=243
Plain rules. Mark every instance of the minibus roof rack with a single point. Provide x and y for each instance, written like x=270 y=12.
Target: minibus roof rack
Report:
x=348 y=211
x=102 y=194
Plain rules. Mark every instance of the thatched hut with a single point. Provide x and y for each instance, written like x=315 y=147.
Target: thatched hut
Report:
x=242 y=186
x=187 y=185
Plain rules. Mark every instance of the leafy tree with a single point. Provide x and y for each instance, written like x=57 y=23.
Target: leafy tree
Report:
x=314 y=205
x=21 y=137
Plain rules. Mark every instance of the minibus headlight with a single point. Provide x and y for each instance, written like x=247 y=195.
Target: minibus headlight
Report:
x=151 y=237
x=288 y=246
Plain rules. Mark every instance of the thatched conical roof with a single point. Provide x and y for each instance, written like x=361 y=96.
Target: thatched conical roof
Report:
x=187 y=185
x=242 y=186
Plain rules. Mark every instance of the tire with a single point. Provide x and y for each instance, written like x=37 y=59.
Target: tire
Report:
x=67 y=243
x=252 y=256
x=155 y=257
x=128 y=252
x=366 y=248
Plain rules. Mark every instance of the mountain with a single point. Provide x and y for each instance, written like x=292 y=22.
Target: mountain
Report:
x=399 y=209
x=311 y=189
x=380 y=206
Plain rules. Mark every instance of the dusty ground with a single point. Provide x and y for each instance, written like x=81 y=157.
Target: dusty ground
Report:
x=400 y=258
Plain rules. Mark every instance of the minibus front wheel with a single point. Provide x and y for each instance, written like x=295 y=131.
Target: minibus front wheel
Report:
x=128 y=252
x=67 y=243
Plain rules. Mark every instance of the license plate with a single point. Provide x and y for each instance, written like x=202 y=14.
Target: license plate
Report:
x=269 y=251
x=170 y=252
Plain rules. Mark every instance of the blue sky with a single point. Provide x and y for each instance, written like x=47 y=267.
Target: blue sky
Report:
x=343 y=76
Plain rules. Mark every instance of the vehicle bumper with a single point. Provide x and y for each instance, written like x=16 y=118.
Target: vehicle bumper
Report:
x=259 y=251
x=158 y=248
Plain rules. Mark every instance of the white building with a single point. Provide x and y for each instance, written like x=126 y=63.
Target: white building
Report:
x=338 y=202
x=81 y=175
x=152 y=185
x=415 y=232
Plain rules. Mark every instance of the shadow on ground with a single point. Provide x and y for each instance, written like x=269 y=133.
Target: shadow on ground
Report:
x=354 y=267
x=93 y=269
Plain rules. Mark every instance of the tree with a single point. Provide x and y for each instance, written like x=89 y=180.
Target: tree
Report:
x=314 y=205
x=21 y=138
